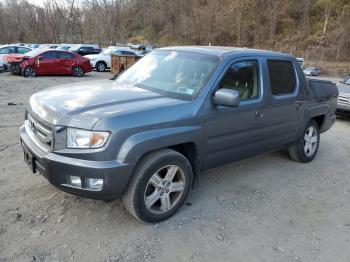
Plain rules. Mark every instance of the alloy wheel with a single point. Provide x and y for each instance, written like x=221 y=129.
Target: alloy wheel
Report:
x=29 y=72
x=78 y=71
x=101 y=67
x=164 y=189
x=310 y=141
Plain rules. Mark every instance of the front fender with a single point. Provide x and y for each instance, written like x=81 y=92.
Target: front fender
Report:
x=139 y=144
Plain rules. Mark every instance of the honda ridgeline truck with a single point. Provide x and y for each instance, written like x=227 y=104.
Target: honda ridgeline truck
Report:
x=147 y=135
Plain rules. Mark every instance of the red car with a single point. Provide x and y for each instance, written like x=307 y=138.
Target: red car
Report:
x=49 y=62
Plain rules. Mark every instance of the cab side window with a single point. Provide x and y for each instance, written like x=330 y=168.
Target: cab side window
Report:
x=282 y=77
x=243 y=77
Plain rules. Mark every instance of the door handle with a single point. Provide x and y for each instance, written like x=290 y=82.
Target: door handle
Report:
x=299 y=104
x=259 y=114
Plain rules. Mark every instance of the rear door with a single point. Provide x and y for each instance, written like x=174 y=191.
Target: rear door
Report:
x=235 y=133
x=285 y=104
x=66 y=62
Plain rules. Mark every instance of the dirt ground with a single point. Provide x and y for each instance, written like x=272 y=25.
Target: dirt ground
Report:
x=268 y=208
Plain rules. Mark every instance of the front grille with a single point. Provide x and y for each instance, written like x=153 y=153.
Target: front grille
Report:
x=344 y=99
x=40 y=130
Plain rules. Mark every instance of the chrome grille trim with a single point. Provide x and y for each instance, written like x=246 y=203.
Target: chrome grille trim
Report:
x=39 y=130
x=344 y=99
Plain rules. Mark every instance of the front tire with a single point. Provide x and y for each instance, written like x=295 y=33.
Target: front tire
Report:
x=159 y=187
x=306 y=147
x=100 y=66
x=78 y=71
x=29 y=72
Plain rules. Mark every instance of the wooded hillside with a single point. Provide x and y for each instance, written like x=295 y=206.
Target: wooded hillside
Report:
x=317 y=29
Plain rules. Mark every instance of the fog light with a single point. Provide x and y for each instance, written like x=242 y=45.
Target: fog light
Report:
x=94 y=183
x=74 y=181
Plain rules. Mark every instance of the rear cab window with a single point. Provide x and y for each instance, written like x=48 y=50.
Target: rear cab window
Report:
x=283 y=81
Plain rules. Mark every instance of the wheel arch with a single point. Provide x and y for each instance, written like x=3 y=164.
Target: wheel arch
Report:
x=319 y=120
x=102 y=61
x=185 y=140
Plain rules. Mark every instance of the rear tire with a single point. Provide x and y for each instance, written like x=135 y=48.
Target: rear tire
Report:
x=78 y=71
x=29 y=72
x=306 y=147
x=100 y=66
x=159 y=186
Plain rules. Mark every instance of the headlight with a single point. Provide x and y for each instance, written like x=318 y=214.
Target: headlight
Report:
x=80 y=138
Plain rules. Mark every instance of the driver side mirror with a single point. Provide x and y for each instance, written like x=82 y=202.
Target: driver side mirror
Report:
x=226 y=97
x=40 y=57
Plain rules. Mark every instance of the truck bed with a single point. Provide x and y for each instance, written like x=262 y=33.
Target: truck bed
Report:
x=321 y=90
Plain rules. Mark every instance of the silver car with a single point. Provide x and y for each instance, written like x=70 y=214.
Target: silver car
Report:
x=312 y=71
x=344 y=95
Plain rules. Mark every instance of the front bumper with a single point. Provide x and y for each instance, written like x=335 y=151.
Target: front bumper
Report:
x=56 y=169
x=344 y=103
x=93 y=63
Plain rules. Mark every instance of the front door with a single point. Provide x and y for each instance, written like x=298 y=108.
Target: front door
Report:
x=235 y=133
x=66 y=62
x=47 y=63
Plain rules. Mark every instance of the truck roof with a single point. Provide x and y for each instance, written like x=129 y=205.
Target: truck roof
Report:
x=224 y=50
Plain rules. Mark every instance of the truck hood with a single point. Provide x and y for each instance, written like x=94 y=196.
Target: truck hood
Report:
x=83 y=104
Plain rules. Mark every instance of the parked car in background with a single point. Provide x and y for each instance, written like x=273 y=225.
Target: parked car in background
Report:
x=312 y=71
x=48 y=46
x=344 y=95
x=177 y=112
x=65 y=47
x=142 y=53
x=103 y=60
x=300 y=61
x=33 y=46
x=50 y=62
x=12 y=49
x=346 y=80
x=2 y=66
x=86 y=49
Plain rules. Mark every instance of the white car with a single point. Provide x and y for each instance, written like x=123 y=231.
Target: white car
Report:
x=12 y=49
x=312 y=71
x=103 y=60
x=2 y=66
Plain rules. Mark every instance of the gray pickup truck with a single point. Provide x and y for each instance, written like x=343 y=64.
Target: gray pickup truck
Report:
x=147 y=135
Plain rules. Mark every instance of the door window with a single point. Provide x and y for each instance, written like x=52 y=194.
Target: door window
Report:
x=8 y=50
x=87 y=49
x=23 y=50
x=243 y=77
x=49 y=55
x=282 y=77
x=65 y=55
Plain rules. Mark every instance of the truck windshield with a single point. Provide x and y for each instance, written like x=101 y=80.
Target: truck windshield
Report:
x=180 y=74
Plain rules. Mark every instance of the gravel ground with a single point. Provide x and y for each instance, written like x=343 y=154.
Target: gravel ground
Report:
x=268 y=208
